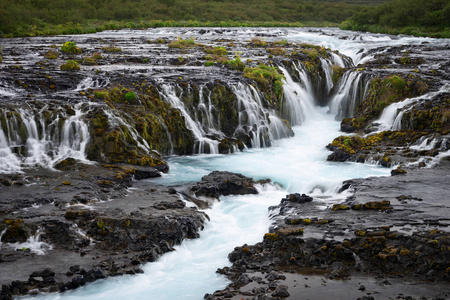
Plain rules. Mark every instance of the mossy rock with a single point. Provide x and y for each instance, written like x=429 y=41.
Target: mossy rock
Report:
x=16 y=232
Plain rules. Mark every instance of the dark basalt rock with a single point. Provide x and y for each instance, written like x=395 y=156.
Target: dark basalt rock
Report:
x=296 y=198
x=224 y=183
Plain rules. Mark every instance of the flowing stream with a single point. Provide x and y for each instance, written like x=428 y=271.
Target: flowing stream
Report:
x=296 y=165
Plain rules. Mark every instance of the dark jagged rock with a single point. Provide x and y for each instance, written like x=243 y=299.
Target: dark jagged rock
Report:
x=224 y=183
x=297 y=198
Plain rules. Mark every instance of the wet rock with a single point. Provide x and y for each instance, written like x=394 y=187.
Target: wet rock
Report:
x=224 y=183
x=297 y=198
x=44 y=273
x=281 y=291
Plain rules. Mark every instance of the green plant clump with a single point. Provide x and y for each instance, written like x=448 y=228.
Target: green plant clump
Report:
x=70 y=65
x=71 y=47
x=180 y=43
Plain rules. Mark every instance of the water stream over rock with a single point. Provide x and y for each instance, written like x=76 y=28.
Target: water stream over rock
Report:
x=148 y=104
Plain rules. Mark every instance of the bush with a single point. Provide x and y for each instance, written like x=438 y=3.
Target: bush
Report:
x=70 y=65
x=101 y=94
x=180 y=43
x=71 y=47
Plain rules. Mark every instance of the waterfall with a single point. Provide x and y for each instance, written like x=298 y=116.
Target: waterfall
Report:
x=41 y=139
x=298 y=99
x=351 y=91
x=168 y=94
x=326 y=66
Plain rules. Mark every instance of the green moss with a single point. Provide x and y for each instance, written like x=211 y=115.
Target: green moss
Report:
x=209 y=63
x=336 y=207
x=70 y=65
x=112 y=49
x=130 y=96
x=51 y=54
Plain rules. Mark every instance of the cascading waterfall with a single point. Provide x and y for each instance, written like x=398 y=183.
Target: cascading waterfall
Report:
x=30 y=139
x=168 y=93
x=352 y=89
x=326 y=66
x=298 y=100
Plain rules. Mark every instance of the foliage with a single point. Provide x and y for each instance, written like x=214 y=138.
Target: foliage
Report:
x=180 y=43
x=71 y=47
x=417 y=17
x=265 y=75
x=51 y=17
x=70 y=65
x=236 y=63
x=276 y=51
x=219 y=50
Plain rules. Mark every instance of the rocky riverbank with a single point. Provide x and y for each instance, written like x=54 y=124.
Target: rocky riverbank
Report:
x=91 y=226
x=390 y=234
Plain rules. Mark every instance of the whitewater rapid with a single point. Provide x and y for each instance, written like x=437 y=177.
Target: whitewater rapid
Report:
x=296 y=164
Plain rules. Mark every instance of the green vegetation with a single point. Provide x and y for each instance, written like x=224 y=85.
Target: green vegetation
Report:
x=417 y=17
x=51 y=54
x=265 y=75
x=111 y=49
x=71 y=47
x=70 y=65
x=180 y=43
x=51 y=17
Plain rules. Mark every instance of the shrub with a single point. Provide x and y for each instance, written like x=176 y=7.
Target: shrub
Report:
x=216 y=50
x=180 y=43
x=276 y=51
x=101 y=94
x=70 y=65
x=258 y=43
x=236 y=63
x=71 y=47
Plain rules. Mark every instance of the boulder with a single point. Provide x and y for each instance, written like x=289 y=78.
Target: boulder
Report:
x=224 y=183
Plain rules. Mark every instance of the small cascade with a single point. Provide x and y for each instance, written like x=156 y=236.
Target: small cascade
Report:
x=32 y=244
x=203 y=144
x=9 y=162
x=326 y=66
x=337 y=60
x=92 y=83
x=351 y=92
x=261 y=124
x=205 y=114
x=391 y=117
x=29 y=138
x=116 y=121
x=298 y=102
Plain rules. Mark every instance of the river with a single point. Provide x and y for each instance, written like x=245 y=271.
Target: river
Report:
x=295 y=165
